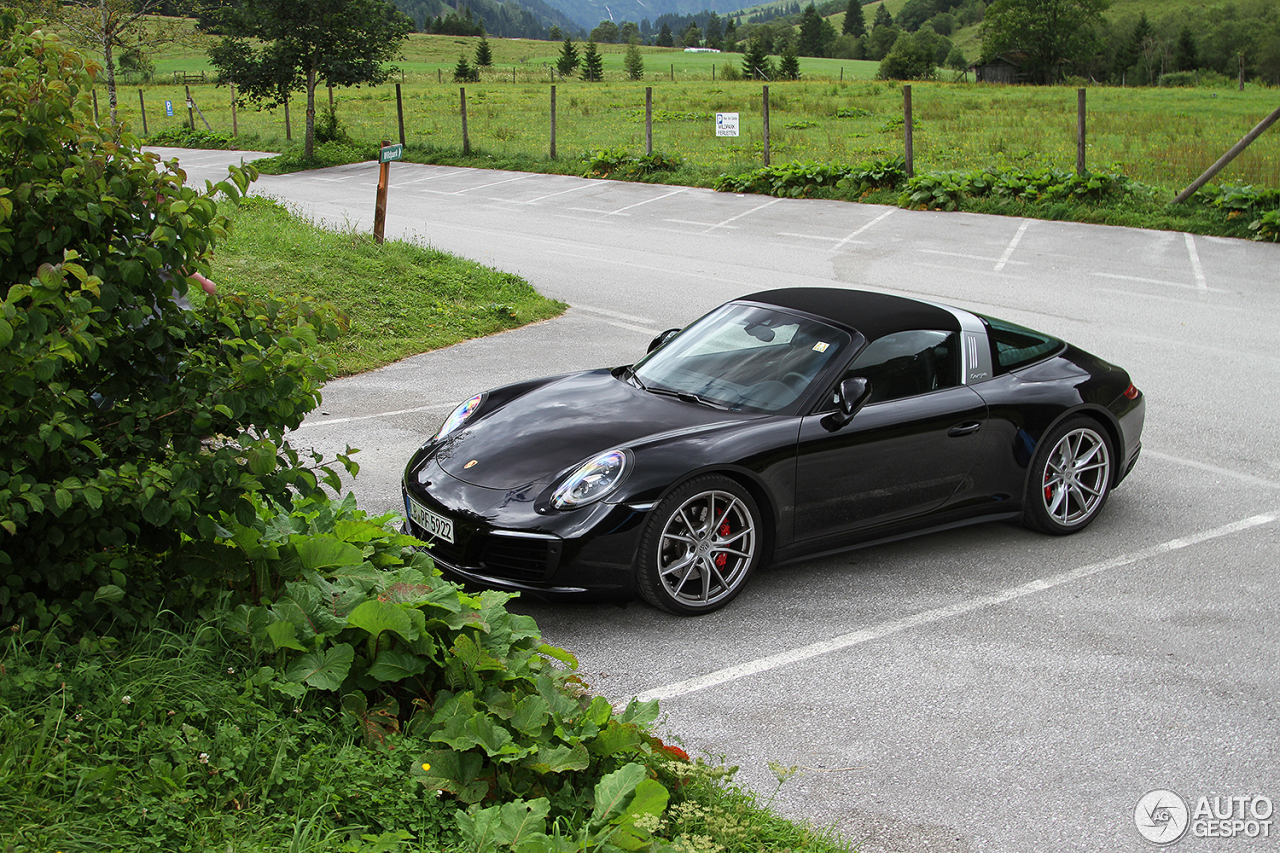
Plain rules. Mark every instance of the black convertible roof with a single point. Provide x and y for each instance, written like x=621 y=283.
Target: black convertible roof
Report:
x=873 y=314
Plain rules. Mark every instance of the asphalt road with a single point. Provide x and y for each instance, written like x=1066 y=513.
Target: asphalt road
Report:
x=981 y=689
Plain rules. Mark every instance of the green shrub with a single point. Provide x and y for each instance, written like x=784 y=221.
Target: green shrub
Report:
x=799 y=179
x=622 y=164
x=127 y=424
x=186 y=137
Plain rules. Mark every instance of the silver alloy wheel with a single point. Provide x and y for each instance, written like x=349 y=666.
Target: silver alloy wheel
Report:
x=706 y=548
x=1077 y=475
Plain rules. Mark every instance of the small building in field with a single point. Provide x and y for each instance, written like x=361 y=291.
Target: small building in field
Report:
x=1001 y=69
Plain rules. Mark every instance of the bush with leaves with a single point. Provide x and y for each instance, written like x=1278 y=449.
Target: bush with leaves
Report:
x=350 y=610
x=620 y=163
x=800 y=179
x=128 y=425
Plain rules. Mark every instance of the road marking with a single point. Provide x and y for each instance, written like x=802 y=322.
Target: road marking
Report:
x=929 y=617
x=1013 y=244
x=561 y=192
x=695 y=224
x=1201 y=284
x=838 y=246
x=1201 y=287
x=493 y=184
x=646 y=201
x=649 y=267
x=617 y=315
x=725 y=223
x=441 y=407
x=1000 y=262
x=1214 y=469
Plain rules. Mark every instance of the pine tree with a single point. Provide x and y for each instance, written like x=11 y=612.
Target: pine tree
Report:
x=463 y=72
x=789 y=66
x=810 y=32
x=883 y=18
x=592 y=63
x=855 y=22
x=484 y=56
x=665 y=38
x=568 y=61
x=633 y=62
x=711 y=34
x=1186 y=55
x=755 y=62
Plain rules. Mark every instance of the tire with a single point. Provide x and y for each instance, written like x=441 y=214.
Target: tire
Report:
x=702 y=543
x=1070 y=477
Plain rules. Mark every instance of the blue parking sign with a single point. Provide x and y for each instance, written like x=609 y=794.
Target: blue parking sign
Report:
x=168 y=108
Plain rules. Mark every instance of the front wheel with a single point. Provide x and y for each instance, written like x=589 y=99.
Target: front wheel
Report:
x=701 y=545
x=1070 y=477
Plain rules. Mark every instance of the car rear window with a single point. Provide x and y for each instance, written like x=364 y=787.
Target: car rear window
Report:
x=1015 y=346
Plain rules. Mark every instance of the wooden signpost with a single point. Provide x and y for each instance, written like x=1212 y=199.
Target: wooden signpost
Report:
x=386 y=154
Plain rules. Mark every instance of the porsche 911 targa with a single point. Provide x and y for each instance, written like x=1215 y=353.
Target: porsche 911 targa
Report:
x=781 y=425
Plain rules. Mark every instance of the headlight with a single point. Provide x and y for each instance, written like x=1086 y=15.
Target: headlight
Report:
x=459 y=416
x=591 y=481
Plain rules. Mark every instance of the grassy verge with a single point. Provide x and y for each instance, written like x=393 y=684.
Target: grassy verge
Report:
x=400 y=298
x=172 y=741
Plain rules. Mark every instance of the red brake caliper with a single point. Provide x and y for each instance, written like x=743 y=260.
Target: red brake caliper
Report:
x=722 y=558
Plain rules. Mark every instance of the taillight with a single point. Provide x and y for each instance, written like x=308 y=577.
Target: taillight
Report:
x=1131 y=393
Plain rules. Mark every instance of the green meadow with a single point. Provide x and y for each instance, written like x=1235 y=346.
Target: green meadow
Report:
x=837 y=113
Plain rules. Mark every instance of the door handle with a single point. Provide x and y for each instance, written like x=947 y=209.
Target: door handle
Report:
x=964 y=429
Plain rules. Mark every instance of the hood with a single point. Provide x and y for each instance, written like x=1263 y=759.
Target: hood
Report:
x=555 y=426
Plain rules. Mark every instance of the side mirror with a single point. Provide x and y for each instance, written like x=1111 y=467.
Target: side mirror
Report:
x=662 y=339
x=850 y=397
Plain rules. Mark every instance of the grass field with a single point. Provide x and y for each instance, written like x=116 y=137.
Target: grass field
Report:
x=1163 y=137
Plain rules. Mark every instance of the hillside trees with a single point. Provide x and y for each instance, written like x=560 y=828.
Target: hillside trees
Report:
x=633 y=61
x=129 y=425
x=855 y=20
x=277 y=46
x=1052 y=35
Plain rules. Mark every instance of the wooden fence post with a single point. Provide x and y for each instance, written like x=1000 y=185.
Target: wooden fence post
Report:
x=288 y=128
x=1217 y=167
x=1080 y=136
x=648 y=120
x=466 y=138
x=191 y=113
x=765 y=109
x=95 y=106
x=399 y=112
x=235 y=126
x=143 y=104
x=906 y=126
x=553 y=121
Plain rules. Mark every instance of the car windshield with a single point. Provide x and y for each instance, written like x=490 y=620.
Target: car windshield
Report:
x=743 y=358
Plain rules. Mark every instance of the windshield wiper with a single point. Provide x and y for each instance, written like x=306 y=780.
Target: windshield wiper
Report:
x=685 y=396
x=629 y=374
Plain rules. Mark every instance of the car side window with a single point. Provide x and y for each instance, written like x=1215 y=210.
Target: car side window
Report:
x=905 y=364
x=1015 y=346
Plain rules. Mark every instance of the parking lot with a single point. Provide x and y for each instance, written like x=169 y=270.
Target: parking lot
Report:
x=981 y=689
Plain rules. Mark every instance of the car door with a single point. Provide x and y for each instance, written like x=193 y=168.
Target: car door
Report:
x=905 y=453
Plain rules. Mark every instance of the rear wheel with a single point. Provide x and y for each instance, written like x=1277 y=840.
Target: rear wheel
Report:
x=1070 y=477
x=701 y=545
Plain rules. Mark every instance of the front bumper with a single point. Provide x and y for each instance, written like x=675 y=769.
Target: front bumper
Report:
x=502 y=542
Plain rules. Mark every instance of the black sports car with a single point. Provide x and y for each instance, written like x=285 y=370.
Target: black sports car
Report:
x=780 y=425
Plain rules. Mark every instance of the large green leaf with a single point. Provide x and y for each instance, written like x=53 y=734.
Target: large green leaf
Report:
x=395 y=665
x=558 y=759
x=530 y=715
x=650 y=799
x=614 y=790
x=377 y=617
x=453 y=771
x=322 y=552
x=325 y=670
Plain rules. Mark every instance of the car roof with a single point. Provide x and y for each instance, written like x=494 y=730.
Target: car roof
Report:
x=873 y=314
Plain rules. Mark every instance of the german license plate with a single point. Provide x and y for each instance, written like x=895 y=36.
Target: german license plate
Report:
x=435 y=525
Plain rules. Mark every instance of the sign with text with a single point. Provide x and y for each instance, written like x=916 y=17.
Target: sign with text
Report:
x=390 y=153
x=726 y=124
x=168 y=108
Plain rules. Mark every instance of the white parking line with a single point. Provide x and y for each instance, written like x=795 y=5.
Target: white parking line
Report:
x=1201 y=284
x=1013 y=244
x=617 y=315
x=726 y=222
x=838 y=246
x=1214 y=469
x=647 y=201
x=1000 y=262
x=928 y=617
x=434 y=407
x=561 y=192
